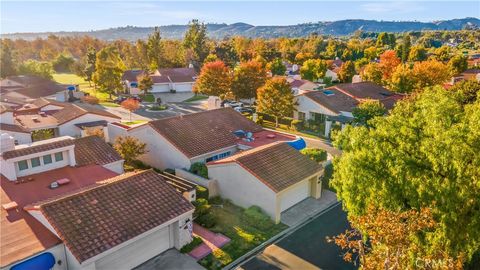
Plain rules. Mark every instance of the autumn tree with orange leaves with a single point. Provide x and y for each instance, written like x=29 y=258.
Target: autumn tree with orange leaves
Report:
x=388 y=62
x=214 y=80
x=131 y=105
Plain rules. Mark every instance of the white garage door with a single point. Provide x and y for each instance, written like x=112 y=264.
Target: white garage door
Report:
x=183 y=87
x=295 y=195
x=160 y=88
x=138 y=252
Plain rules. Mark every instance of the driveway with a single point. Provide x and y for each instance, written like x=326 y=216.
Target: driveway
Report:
x=307 y=248
x=308 y=208
x=171 y=259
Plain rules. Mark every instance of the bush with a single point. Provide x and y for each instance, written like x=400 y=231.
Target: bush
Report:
x=199 y=169
x=158 y=108
x=201 y=207
x=297 y=125
x=257 y=218
x=202 y=193
x=197 y=241
x=216 y=200
x=260 y=120
x=315 y=154
x=207 y=221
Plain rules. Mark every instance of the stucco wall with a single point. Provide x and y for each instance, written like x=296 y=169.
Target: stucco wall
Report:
x=7 y=118
x=306 y=105
x=116 y=166
x=68 y=160
x=294 y=194
x=69 y=128
x=238 y=185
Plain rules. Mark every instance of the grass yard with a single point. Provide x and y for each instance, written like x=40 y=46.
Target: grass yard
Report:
x=246 y=229
x=69 y=78
x=196 y=98
x=285 y=128
x=109 y=104
x=135 y=122
x=148 y=98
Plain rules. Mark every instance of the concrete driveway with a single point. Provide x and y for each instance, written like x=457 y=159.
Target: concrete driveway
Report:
x=307 y=209
x=171 y=259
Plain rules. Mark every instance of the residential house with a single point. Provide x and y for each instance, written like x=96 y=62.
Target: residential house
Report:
x=336 y=103
x=274 y=176
x=471 y=74
x=7 y=125
x=169 y=84
x=300 y=86
x=19 y=90
x=65 y=206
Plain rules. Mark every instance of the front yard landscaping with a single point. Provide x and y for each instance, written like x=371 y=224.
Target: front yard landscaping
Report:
x=135 y=122
x=148 y=98
x=196 y=98
x=247 y=228
x=69 y=78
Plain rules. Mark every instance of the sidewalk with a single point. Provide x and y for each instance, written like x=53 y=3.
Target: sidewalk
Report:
x=211 y=242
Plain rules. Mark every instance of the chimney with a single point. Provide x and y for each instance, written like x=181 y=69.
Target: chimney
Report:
x=7 y=142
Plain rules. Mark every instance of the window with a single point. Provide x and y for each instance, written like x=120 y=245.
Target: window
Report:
x=35 y=162
x=22 y=165
x=224 y=155
x=47 y=159
x=219 y=156
x=59 y=156
x=301 y=116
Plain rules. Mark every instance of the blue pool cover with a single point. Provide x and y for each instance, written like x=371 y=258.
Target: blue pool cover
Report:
x=298 y=144
x=43 y=261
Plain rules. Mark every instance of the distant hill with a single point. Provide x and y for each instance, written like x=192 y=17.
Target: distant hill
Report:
x=337 y=28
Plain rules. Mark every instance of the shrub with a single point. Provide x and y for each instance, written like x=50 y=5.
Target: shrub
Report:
x=201 y=207
x=197 y=241
x=297 y=125
x=207 y=221
x=216 y=200
x=315 y=154
x=199 y=169
x=257 y=218
x=158 y=108
x=202 y=193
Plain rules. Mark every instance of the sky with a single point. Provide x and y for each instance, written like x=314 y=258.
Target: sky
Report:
x=46 y=16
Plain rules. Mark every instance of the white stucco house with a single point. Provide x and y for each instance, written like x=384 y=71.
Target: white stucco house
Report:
x=7 y=125
x=274 y=177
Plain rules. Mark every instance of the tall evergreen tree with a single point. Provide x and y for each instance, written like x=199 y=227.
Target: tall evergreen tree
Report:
x=196 y=42
x=154 y=50
x=7 y=62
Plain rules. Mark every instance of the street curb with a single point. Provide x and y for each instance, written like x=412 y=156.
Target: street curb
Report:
x=288 y=231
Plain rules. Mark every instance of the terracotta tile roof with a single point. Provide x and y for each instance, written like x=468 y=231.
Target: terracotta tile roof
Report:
x=200 y=133
x=37 y=148
x=21 y=235
x=95 y=220
x=335 y=102
x=13 y=128
x=76 y=110
x=277 y=165
x=363 y=90
x=42 y=102
x=36 y=121
x=94 y=150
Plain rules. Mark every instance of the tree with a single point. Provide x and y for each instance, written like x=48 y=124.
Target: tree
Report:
x=368 y=110
x=388 y=62
x=109 y=69
x=63 y=63
x=90 y=60
x=154 y=50
x=467 y=91
x=247 y=78
x=430 y=73
x=276 y=98
x=313 y=69
x=423 y=154
x=277 y=67
x=346 y=72
x=384 y=239
x=145 y=83
x=417 y=53
x=403 y=79
x=36 y=68
x=406 y=46
x=442 y=53
x=386 y=40
x=315 y=154
x=7 y=61
x=129 y=148
x=214 y=80
x=457 y=64
x=372 y=73
x=370 y=53
x=131 y=105
x=42 y=134
x=195 y=40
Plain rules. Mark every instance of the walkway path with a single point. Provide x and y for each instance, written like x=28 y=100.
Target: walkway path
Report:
x=211 y=242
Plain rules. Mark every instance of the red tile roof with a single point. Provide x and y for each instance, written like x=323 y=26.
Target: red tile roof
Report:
x=37 y=148
x=204 y=132
x=277 y=165
x=94 y=220
x=94 y=150
x=336 y=102
x=21 y=235
x=363 y=90
x=74 y=111
x=13 y=128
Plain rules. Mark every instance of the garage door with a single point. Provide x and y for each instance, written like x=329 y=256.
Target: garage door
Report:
x=295 y=195
x=138 y=252
x=160 y=88
x=183 y=87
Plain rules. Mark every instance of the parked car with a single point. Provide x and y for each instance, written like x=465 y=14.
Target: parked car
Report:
x=233 y=104
x=121 y=99
x=244 y=110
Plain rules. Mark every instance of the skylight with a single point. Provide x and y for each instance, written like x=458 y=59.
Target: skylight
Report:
x=328 y=92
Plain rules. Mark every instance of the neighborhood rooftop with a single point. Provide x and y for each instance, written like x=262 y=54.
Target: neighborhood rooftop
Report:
x=120 y=216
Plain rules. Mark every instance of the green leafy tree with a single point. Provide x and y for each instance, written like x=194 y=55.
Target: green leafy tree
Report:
x=467 y=91
x=7 y=61
x=277 y=67
x=417 y=53
x=63 y=63
x=442 y=53
x=423 y=154
x=145 y=83
x=154 y=50
x=373 y=73
x=315 y=154
x=247 y=78
x=403 y=79
x=225 y=51
x=214 y=80
x=368 y=110
x=313 y=69
x=130 y=148
x=276 y=98
x=406 y=46
x=90 y=60
x=195 y=41
x=430 y=73
x=347 y=71
x=457 y=64
x=36 y=68
x=370 y=53
x=109 y=69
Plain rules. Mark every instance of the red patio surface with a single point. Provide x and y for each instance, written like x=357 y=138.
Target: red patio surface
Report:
x=211 y=242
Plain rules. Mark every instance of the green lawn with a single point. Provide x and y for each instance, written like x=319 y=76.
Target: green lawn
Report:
x=68 y=78
x=148 y=98
x=285 y=128
x=134 y=122
x=196 y=98
x=109 y=104
x=244 y=231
